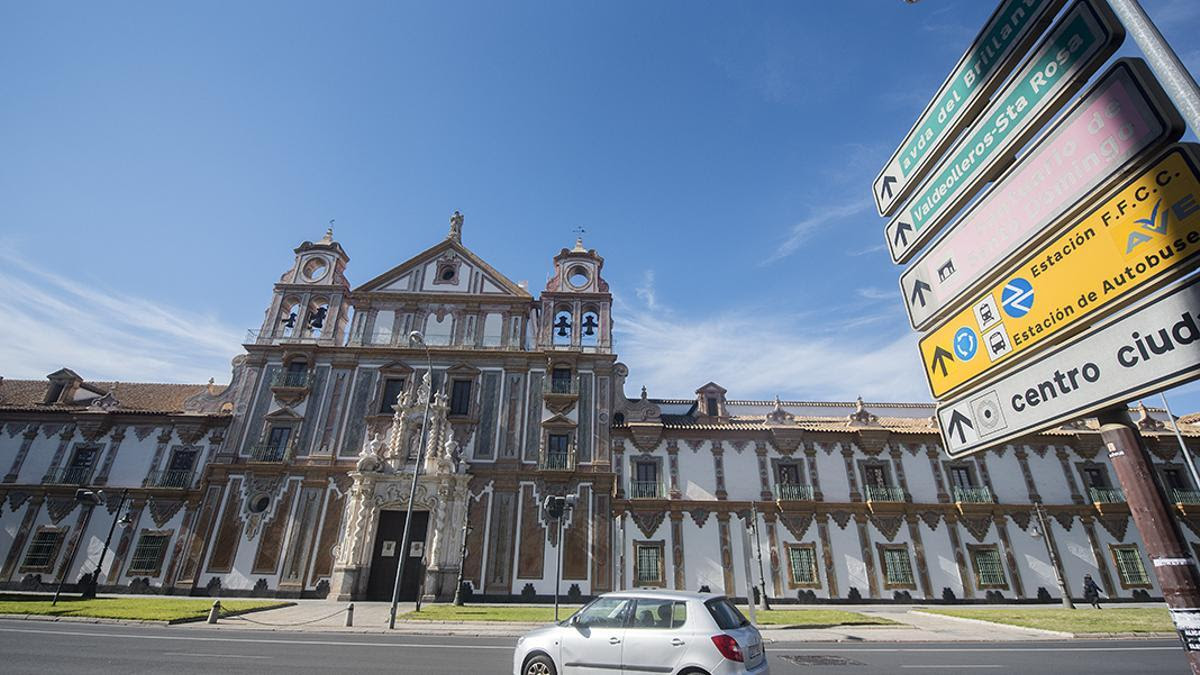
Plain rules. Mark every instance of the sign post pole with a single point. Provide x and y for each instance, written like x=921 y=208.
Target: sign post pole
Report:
x=1175 y=78
x=1174 y=565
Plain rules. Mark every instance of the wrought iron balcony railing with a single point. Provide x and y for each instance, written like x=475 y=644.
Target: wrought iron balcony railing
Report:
x=884 y=494
x=69 y=475
x=560 y=385
x=557 y=461
x=285 y=378
x=792 y=492
x=1185 y=496
x=973 y=495
x=645 y=489
x=269 y=454
x=1106 y=495
x=172 y=478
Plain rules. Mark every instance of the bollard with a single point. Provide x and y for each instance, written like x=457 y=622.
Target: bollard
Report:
x=350 y=615
x=215 y=612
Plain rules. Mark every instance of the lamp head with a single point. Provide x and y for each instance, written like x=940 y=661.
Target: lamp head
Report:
x=415 y=337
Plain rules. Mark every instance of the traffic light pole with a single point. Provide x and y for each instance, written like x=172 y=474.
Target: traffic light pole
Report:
x=1171 y=73
x=1174 y=566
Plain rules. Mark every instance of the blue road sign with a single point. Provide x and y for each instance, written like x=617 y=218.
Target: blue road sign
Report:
x=1017 y=298
x=965 y=343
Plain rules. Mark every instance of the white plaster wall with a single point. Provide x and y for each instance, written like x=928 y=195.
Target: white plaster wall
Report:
x=811 y=536
x=1032 y=561
x=902 y=537
x=39 y=457
x=464 y=279
x=9 y=447
x=632 y=533
x=1008 y=483
x=918 y=475
x=133 y=459
x=702 y=555
x=1104 y=539
x=736 y=528
x=1048 y=475
x=10 y=524
x=697 y=478
x=831 y=467
x=741 y=473
x=940 y=561
x=1076 y=554
x=847 y=559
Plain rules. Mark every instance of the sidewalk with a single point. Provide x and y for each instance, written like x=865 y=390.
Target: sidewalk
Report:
x=914 y=625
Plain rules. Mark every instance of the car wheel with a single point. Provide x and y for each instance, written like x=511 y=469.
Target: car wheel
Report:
x=539 y=665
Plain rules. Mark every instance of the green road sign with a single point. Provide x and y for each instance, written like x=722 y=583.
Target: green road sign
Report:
x=998 y=47
x=1073 y=50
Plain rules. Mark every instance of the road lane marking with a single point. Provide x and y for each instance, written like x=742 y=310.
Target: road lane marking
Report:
x=958 y=667
x=990 y=650
x=335 y=643
x=203 y=655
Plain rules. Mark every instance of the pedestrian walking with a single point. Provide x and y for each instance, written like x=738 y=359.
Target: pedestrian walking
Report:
x=1091 y=592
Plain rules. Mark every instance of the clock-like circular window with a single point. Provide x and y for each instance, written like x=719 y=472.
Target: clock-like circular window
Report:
x=578 y=277
x=315 y=269
x=259 y=503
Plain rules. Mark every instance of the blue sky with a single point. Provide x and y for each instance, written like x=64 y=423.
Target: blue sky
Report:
x=161 y=160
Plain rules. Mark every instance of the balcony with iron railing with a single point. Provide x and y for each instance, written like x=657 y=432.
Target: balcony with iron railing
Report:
x=645 y=489
x=885 y=494
x=1185 y=496
x=69 y=475
x=567 y=386
x=973 y=495
x=264 y=453
x=1107 y=495
x=557 y=460
x=171 y=478
x=291 y=379
x=393 y=339
x=793 y=492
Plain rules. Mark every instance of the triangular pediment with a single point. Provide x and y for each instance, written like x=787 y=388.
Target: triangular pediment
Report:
x=449 y=268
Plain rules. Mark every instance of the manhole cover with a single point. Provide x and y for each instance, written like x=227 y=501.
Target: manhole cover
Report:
x=822 y=660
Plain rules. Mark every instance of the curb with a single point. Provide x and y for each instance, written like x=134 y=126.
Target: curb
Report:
x=993 y=624
x=81 y=619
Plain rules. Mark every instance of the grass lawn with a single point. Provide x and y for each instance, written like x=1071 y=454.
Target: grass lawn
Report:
x=1110 y=620
x=816 y=618
x=137 y=609
x=446 y=612
x=812 y=618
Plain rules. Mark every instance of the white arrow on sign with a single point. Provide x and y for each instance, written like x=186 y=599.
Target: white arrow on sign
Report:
x=1077 y=45
x=998 y=47
x=1122 y=118
x=1147 y=349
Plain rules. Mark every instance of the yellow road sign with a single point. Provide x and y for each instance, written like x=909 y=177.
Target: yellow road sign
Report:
x=1142 y=235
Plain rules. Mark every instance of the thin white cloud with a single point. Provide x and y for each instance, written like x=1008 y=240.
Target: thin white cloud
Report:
x=761 y=354
x=645 y=290
x=870 y=249
x=53 y=321
x=801 y=231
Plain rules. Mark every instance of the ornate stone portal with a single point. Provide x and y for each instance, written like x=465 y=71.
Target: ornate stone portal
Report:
x=383 y=481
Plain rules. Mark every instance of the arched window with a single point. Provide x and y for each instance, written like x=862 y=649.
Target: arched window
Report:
x=589 y=327
x=382 y=333
x=439 y=331
x=314 y=322
x=289 y=317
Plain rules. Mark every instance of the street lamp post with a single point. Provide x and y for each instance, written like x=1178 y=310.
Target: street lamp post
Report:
x=89 y=586
x=1044 y=535
x=556 y=507
x=90 y=500
x=462 y=560
x=414 y=337
x=762 y=578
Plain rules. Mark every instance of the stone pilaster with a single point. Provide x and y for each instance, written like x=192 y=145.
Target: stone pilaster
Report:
x=27 y=439
x=114 y=444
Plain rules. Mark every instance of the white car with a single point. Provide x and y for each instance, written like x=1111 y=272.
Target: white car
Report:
x=668 y=632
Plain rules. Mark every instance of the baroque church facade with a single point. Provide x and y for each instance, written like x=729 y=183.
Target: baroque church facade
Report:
x=293 y=480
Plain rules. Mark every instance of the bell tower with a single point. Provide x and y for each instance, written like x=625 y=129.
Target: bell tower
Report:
x=310 y=301
x=576 y=305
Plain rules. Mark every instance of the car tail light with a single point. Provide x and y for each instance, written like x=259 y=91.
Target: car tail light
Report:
x=728 y=647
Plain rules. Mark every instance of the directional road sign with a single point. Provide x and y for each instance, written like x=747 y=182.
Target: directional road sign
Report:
x=1065 y=58
x=1001 y=43
x=1122 y=118
x=1146 y=233
x=1150 y=349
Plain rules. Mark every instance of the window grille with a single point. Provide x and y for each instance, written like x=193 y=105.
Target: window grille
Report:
x=43 y=549
x=803 y=561
x=148 y=555
x=897 y=570
x=1130 y=567
x=989 y=570
x=649 y=564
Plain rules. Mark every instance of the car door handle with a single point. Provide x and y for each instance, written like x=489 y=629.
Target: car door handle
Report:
x=614 y=640
x=677 y=642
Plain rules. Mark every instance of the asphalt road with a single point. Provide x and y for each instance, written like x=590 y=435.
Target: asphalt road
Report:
x=41 y=647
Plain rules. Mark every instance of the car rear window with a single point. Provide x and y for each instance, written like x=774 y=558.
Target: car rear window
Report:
x=725 y=614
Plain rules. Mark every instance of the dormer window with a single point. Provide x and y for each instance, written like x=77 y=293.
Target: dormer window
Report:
x=710 y=406
x=54 y=392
